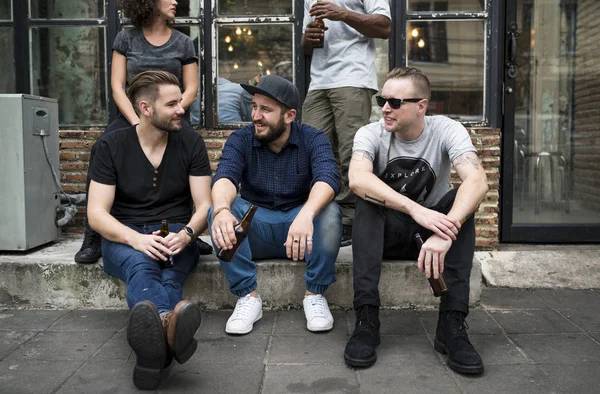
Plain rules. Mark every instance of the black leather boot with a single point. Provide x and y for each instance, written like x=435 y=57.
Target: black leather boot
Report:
x=360 y=349
x=90 y=250
x=451 y=338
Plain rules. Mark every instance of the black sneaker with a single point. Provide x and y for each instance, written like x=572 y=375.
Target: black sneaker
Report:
x=451 y=338
x=360 y=349
x=147 y=339
x=346 y=235
x=91 y=248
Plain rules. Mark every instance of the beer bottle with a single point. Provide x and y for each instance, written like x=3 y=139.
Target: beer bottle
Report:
x=164 y=231
x=438 y=285
x=321 y=25
x=241 y=231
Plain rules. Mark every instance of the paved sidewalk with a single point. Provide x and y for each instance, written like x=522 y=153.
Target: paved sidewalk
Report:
x=539 y=341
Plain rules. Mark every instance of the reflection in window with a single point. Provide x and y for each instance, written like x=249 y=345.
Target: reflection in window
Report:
x=255 y=7
x=68 y=63
x=428 y=41
x=7 y=63
x=66 y=9
x=5 y=10
x=457 y=88
x=245 y=54
x=453 y=5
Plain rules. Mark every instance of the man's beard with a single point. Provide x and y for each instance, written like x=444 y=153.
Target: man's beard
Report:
x=273 y=133
x=164 y=123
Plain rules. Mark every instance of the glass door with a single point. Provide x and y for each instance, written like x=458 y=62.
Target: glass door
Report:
x=551 y=127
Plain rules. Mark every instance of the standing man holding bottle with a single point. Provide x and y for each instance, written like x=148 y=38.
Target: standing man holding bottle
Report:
x=343 y=77
x=141 y=176
x=288 y=171
x=400 y=171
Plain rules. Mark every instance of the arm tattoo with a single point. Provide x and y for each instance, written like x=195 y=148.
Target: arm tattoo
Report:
x=360 y=155
x=374 y=200
x=468 y=158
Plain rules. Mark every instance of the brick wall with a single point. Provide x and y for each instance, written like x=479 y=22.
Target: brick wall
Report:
x=586 y=134
x=75 y=147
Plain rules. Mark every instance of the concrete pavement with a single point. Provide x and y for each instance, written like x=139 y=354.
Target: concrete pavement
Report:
x=541 y=341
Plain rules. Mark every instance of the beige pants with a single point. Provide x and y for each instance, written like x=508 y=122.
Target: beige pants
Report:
x=339 y=112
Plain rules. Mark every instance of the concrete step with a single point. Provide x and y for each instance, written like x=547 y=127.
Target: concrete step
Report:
x=49 y=278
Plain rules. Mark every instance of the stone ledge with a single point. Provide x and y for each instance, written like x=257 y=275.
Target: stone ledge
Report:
x=542 y=266
x=48 y=278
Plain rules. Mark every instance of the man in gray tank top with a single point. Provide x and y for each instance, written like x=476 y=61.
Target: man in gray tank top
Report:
x=400 y=170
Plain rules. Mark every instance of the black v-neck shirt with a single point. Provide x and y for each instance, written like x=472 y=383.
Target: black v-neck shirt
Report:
x=144 y=194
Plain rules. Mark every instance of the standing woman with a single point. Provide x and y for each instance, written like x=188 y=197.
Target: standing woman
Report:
x=152 y=44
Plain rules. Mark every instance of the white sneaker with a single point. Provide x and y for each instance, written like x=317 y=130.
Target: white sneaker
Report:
x=316 y=310
x=248 y=310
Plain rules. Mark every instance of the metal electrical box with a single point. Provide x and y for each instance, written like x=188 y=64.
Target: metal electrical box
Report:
x=28 y=193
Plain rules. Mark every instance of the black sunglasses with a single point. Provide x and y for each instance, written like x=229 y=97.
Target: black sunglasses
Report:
x=394 y=102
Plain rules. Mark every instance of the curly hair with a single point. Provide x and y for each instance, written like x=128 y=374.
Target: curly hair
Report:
x=140 y=12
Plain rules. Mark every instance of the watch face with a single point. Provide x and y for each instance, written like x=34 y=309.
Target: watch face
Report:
x=189 y=231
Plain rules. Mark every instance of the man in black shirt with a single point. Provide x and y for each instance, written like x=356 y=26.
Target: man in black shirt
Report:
x=141 y=175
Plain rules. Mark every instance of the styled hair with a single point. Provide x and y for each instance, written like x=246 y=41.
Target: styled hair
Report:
x=145 y=86
x=141 y=12
x=419 y=80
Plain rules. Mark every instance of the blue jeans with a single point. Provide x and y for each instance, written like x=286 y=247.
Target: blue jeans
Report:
x=266 y=236
x=144 y=278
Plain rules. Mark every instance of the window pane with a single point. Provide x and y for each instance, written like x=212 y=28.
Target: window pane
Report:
x=5 y=10
x=255 y=7
x=66 y=9
x=382 y=62
x=451 y=5
x=452 y=55
x=557 y=139
x=196 y=108
x=7 y=63
x=68 y=63
x=245 y=54
x=188 y=8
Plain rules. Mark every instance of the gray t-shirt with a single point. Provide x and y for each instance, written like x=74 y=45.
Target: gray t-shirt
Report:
x=418 y=169
x=143 y=56
x=348 y=57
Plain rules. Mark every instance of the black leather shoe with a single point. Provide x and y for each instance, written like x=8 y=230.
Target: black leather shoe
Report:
x=451 y=338
x=147 y=339
x=346 y=235
x=91 y=248
x=360 y=349
x=204 y=247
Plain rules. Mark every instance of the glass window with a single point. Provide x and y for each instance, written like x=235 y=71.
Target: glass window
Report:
x=188 y=8
x=7 y=63
x=195 y=109
x=57 y=9
x=452 y=55
x=382 y=66
x=68 y=63
x=450 y=5
x=245 y=54
x=5 y=10
x=254 y=7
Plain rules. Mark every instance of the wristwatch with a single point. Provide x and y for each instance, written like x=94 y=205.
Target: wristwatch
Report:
x=190 y=231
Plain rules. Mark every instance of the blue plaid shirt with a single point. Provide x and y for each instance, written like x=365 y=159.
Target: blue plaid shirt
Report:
x=278 y=181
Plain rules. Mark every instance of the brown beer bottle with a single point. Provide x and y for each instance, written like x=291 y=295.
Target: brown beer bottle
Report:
x=241 y=231
x=321 y=25
x=438 y=285
x=164 y=231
